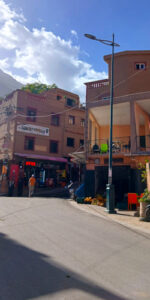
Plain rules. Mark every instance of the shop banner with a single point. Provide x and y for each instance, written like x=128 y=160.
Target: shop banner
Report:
x=33 y=129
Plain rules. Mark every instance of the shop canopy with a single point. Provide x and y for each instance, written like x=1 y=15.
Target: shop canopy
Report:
x=42 y=157
x=78 y=157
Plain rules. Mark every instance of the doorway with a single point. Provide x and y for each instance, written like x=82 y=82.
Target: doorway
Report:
x=121 y=181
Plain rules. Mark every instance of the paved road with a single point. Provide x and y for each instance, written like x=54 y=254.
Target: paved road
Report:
x=51 y=250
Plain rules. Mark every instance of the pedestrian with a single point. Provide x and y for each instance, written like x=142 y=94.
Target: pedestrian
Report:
x=20 y=187
x=11 y=184
x=20 y=181
x=32 y=182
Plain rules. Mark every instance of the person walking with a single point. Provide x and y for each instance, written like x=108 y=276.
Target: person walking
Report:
x=32 y=182
x=11 y=186
x=20 y=187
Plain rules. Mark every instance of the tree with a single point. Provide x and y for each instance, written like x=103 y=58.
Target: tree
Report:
x=38 y=88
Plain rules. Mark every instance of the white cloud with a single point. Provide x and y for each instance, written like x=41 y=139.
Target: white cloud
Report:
x=73 y=32
x=6 y=13
x=42 y=55
x=4 y=65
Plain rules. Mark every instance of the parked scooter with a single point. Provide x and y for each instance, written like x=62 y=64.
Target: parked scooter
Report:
x=147 y=213
x=71 y=187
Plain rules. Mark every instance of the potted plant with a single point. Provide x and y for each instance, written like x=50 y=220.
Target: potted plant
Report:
x=94 y=201
x=80 y=200
x=144 y=201
x=88 y=200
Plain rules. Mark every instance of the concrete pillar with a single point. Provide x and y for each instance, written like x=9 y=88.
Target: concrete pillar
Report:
x=133 y=128
x=147 y=133
x=148 y=175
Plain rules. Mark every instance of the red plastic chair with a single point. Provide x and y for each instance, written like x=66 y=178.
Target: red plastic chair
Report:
x=142 y=194
x=132 y=199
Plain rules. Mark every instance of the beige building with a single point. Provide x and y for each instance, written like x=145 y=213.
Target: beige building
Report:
x=39 y=131
x=131 y=124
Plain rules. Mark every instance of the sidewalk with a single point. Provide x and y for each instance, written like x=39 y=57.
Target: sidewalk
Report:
x=125 y=218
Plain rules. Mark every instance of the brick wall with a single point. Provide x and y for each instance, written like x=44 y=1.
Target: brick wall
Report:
x=53 y=101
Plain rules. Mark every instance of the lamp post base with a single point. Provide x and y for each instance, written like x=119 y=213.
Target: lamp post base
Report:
x=110 y=199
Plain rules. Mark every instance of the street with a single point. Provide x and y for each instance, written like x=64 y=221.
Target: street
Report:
x=49 y=249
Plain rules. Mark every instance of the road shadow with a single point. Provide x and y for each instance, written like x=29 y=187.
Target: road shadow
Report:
x=125 y=214
x=44 y=192
x=27 y=274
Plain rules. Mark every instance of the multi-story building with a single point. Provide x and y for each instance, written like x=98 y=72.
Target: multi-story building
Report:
x=131 y=124
x=38 y=132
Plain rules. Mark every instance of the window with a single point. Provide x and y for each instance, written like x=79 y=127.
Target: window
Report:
x=71 y=120
x=58 y=97
x=55 y=120
x=106 y=98
x=53 y=146
x=70 y=142
x=82 y=122
x=29 y=143
x=140 y=66
x=142 y=142
x=19 y=108
x=31 y=114
x=81 y=143
x=70 y=102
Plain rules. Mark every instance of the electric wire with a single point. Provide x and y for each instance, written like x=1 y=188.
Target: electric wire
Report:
x=84 y=103
x=119 y=83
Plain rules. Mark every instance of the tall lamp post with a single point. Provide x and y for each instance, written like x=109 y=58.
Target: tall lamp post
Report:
x=109 y=186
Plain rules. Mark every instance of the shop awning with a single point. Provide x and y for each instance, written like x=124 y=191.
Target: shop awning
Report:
x=42 y=157
x=78 y=157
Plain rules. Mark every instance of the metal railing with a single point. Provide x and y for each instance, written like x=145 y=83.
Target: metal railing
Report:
x=101 y=146
x=98 y=83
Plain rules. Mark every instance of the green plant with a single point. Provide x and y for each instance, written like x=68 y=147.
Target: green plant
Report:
x=145 y=197
x=38 y=88
x=142 y=167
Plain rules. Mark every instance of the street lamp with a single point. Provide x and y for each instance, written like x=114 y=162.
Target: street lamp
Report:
x=109 y=186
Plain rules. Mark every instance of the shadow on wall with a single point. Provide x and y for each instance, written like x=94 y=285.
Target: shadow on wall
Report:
x=27 y=274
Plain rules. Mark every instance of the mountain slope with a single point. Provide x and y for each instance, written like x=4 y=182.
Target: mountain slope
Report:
x=8 y=84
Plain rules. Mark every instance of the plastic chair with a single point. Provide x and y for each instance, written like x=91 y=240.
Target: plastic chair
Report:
x=132 y=199
x=104 y=148
x=95 y=149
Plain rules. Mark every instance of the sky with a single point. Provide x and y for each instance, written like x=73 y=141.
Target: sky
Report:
x=43 y=40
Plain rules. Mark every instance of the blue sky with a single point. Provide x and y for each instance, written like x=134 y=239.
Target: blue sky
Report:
x=43 y=40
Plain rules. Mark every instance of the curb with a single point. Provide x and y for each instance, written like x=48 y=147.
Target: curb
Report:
x=89 y=209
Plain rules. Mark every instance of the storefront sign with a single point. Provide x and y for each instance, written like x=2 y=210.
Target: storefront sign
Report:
x=30 y=163
x=40 y=148
x=33 y=129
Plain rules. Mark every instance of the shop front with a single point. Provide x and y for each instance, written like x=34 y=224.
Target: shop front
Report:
x=48 y=171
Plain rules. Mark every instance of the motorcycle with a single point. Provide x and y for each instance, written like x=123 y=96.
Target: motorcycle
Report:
x=147 y=213
x=71 y=187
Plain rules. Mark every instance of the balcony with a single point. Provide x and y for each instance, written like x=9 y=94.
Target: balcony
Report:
x=98 y=84
x=101 y=146
x=120 y=145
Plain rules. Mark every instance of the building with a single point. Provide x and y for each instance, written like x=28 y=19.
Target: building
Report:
x=131 y=124
x=37 y=132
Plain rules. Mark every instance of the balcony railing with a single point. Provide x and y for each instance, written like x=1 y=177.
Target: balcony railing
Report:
x=119 y=145
x=98 y=83
x=101 y=146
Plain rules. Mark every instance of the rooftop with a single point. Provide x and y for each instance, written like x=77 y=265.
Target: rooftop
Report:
x=127 y=52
